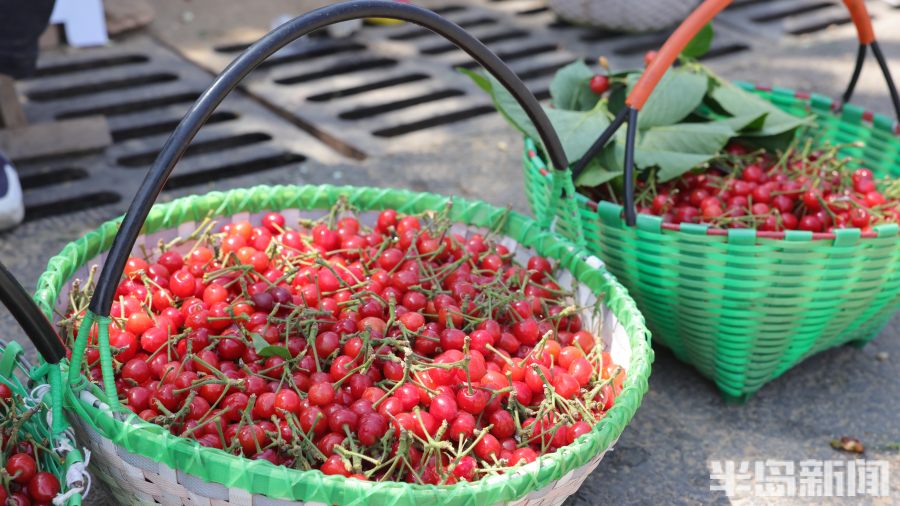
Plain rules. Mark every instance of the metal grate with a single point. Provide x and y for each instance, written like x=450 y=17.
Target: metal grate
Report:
x=143 y=90
x=770 y=18
x=400 y=80
x=624 y=49
x=396 y=81
x=773 y=19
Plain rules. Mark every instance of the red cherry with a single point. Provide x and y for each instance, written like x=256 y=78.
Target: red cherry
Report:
x=864 y=185
x=424 y=424
x=21 y=467
x=565 y=385
x=252 y=439
x=443 y=407
x=287 y=401
x=372 y=427
x=599 y=84
x=465 y=468
x=810 y=223
x=874 y=199
x=274 y=222
x=335 y=465
x=504 y=425
x=523 y=456
x=463 y=426
x=137 y=371
x=321 y=394
x=488 y=448
x=859 y=217
x=328 y=442
x=577 y=430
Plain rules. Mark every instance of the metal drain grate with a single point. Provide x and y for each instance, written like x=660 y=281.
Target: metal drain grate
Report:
x=396 y=81
x=400 y=80
x=91 y=88
x=143 y=90
x=623 y=49
x=776 y=18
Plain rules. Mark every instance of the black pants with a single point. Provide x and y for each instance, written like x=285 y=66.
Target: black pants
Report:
x=21 y=24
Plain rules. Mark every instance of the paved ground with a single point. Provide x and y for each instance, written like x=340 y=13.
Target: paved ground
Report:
x=664 y=456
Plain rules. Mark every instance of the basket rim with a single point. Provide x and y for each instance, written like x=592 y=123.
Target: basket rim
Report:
x=525 y=231
x=655 y=224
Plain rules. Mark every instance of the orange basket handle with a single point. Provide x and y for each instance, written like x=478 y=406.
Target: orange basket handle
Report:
x=669 y=52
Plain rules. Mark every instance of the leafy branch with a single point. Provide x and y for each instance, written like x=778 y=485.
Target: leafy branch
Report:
x=686 y=122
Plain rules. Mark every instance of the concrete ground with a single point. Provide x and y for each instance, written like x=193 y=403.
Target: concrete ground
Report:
x=664 y=456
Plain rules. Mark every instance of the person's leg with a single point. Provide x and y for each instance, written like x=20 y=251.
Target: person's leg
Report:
x=12 y=208
x=21 y=24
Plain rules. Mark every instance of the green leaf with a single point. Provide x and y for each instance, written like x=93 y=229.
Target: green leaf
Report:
x=676 y=149
x=772 y=143
x=623 y=74
x=596 y=174
x=744 y=124
x=738 y=102
x=678 y=93
x=258 y=341
x=613 y=155
x=505 y=103
x=578 y=130
x=700 y=44
x=607 y=165
x=265 y=350
x=478 y=78
x=274 y=351
x=616 y=100
x=570 y=88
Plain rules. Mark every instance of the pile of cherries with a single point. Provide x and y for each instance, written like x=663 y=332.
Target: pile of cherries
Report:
x=810 y=190
x=406 y=352
x=21 y=481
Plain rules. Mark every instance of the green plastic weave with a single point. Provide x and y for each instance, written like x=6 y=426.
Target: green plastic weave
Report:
x=21 y=377
x=260 y=477
x=744 y=309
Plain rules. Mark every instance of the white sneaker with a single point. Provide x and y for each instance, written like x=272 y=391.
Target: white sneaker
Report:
x=12 y=207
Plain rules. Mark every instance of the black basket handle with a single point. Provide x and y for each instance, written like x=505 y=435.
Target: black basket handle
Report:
x=251 y=58
x=30 y=318
x=654 y=72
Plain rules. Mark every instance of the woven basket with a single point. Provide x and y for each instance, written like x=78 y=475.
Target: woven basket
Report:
x=144 y=463
x=21 y=377
x=624 y=15
x=743 y=306
x=39 y=388
x=136 y=480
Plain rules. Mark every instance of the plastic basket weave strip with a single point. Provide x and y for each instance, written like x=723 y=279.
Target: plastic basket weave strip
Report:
x=179 y=461
x=23 y=378
x=744 y=309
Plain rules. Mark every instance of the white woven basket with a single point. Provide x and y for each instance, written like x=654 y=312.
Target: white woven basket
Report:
x=624 y=15
x=137 y=480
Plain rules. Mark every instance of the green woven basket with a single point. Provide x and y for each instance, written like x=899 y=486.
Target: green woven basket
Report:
x=142 y=462
x=743 y=307
x=59 y=456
